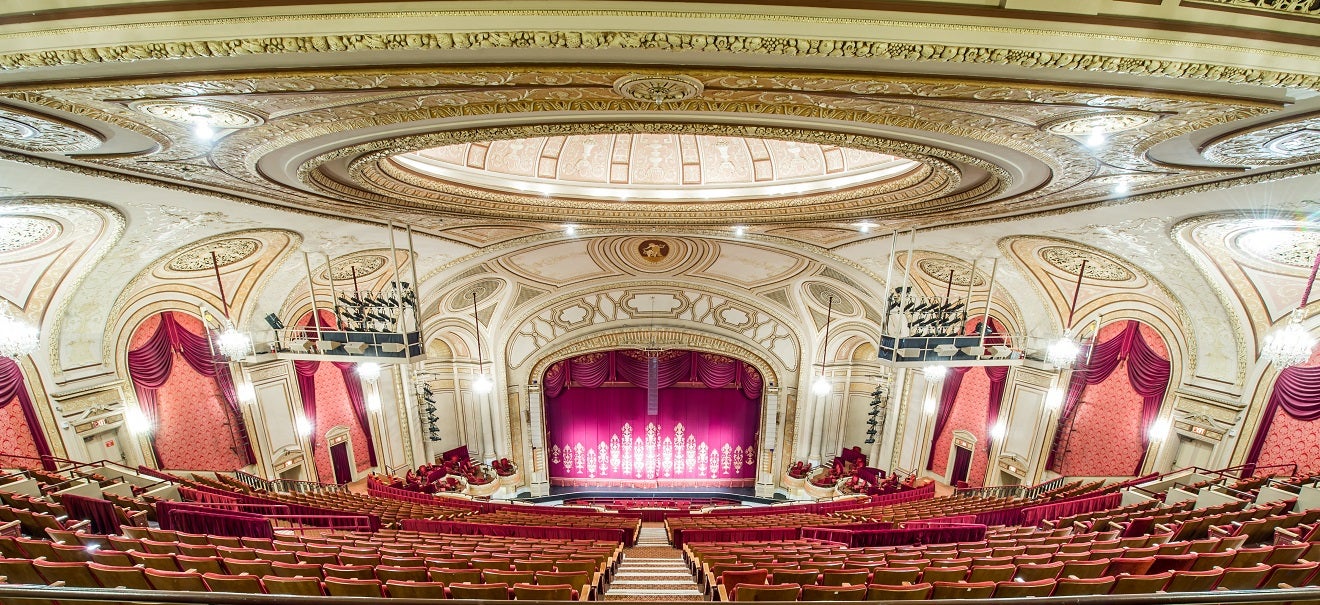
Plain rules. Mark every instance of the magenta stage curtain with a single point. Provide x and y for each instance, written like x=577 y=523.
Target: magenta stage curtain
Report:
x=998 y=379
x=13 y=387
x=949 y=394
x=306 y=372
x=150 y=366
x=359 y=403
x=1297 y=393
x=596 y=369
x=556 y=377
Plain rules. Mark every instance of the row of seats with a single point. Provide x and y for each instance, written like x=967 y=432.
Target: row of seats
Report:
x=275 y=580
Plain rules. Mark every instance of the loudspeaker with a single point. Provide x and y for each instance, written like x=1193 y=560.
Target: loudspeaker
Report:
x=356 y=348
x=274 y=321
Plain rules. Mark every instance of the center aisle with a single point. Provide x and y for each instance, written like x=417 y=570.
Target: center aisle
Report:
x=653 y=571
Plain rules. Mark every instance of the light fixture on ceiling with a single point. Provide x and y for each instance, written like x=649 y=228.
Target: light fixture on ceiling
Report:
x=1063 y=352
x=369 y=371
x=482 y=384
x=231 y=343
x=1096 y=138
x=740 y=231
x=570 y=230
x=1291 y=344
x=201 y=122
x=822 y=385
x=18 y=338
x=865 y=226
x=1123 y=187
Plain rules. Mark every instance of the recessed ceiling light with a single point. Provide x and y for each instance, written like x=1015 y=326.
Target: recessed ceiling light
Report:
x=570 y=230
x=1096 y=139
x=740 y=231
x=1122 y=187
x=865 y=226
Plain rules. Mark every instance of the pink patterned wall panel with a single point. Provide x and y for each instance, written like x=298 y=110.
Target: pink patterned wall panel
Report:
x=1105 y=437
x=15 y=436
x=969 y=414
x=1291 y=440
x=194 y=430
x=333 y=409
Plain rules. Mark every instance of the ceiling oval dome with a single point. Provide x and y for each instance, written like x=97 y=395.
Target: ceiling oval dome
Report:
x=655 y=167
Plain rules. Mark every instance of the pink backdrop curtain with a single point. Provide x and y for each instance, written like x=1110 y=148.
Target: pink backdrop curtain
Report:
x=150 y=366
x=358 y=401
x=949 y=394
x=1147 y=371
x=1297 y=393
x=14 y=388
x=998 y=380
x=306 y=373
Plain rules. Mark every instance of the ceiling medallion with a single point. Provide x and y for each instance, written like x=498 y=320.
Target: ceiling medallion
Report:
x=658 y=89
x=216 y=114
x=653 y=250
x=483 y=289
x=1103 y=123
x=227 y=252
x=1069 y=260
x=1281 y=246
x=827 y=296
x=19 y=232
x=1292 y=142
x=939 y=270
x=360 y=265
x=31 y=132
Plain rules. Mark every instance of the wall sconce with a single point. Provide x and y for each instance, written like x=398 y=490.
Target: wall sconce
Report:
x=305 y=427
x=136 y=421
x=246 y=392
x=998 y=431
x=1054 y=399
x=373 y=402
x=1159 y=430
x=931 y=406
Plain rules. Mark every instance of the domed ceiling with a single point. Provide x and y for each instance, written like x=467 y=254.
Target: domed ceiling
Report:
x=655 y=167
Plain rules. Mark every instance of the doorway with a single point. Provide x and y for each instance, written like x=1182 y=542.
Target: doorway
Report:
x=1192 y=452
x=104 y=446
x=962 y=463
x=339 y=461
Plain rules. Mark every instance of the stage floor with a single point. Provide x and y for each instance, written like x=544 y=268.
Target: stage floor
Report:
x=747 y=495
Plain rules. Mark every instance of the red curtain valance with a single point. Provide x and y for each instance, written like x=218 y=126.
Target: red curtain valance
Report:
x=595 y=369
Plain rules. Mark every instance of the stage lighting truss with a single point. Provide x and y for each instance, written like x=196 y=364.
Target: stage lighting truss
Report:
x=426 y=406
x=875 y=416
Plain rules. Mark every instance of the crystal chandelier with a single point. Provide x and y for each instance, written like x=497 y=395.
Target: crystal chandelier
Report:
x=233 y=344
x=935 y=373
x=17 y=337
x=1291 y=344
x=1063 y=352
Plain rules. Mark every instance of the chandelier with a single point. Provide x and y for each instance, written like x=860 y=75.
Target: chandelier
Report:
x=1063 y=352
x=17 y=337
x=231 y=343
x=1291 y=344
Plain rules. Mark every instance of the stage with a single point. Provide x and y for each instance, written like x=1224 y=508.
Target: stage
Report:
x=746 y=495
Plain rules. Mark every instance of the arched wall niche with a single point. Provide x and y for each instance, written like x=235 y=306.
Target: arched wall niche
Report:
x=1264 y=376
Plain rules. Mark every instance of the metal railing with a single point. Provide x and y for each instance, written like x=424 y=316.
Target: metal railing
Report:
x=1009 y=491
x=287 y=485
x=12 y=592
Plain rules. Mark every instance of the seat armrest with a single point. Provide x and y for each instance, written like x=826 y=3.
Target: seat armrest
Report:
x=723 y=593
x=1218 y=531
x=84 y=524
x=585 y=593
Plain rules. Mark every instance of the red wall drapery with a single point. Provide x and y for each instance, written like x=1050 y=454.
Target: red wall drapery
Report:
x=1147 y=371
x=306 y=373
x=150 y=366
x=1297 y=393
x=14 y=388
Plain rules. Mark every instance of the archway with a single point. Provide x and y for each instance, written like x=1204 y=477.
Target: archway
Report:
x=630 y=418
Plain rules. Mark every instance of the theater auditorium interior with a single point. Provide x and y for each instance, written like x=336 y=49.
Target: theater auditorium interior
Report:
x=548 y=300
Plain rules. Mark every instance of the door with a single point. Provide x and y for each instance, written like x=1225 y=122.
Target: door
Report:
x=1192 y=452
x=962 y=462
x=339 y=460
x=104 y=446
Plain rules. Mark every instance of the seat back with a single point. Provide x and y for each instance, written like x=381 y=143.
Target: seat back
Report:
x=493 y=592
x=1243 y=578
x=833 y=593
x=352 y=572
x=1141 y=584
x=839 y=577
x=1083 y=570
x=294 y=586
x=508 y=578
x=353 y=587
x=543 y=592
x=1129 y=566
x=184 y=581
x=731 y=579
x=766 y=592
x=455 y=576
x=217 y=582
x=1292 y=574
x=1034 y=588
x=1041 y=571
x=1075 y=587
x=415 y=590
x=386 y=573
x=944 y=574
x=73 y=574
x=803 y=577
x=1194 y=581
x=991 y=573
x=131 y=578
x=962 y=590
